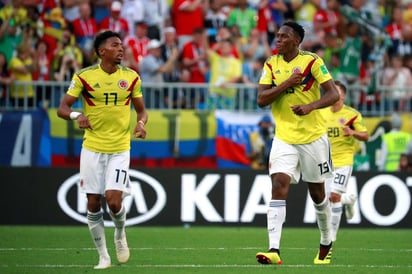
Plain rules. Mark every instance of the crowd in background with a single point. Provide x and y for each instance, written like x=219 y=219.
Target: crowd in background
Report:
x=208 y=41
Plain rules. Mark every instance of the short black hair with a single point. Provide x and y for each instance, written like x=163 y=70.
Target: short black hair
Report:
x=298 y=29
x=102 y=37
x=341 y=85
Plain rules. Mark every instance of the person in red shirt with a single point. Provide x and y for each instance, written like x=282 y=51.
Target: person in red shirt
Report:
x=194 y=58
x=187 y=15
x=136 y=46
x=114 y=22
x=84 y=29
x=325 y=21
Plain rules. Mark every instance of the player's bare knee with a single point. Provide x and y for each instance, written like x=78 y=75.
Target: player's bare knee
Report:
x=335 y=197
x=94 y=202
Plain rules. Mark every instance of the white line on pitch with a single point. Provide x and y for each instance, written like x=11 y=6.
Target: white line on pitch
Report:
x=186 y=248
x=212 y=266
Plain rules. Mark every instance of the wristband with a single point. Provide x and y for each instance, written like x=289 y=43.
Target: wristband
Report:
x=141 y=122
x=74 y=115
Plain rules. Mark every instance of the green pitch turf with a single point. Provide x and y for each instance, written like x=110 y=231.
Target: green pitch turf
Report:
x=47 y=249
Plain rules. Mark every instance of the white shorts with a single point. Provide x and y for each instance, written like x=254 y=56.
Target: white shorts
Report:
x=339 y=182
x=312 y=160
x=101 y=171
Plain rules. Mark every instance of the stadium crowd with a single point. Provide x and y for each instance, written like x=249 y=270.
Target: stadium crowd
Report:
x=363 y=42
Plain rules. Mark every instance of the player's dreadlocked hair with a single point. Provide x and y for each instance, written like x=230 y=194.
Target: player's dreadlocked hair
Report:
x=102 y=37
x=298 y=29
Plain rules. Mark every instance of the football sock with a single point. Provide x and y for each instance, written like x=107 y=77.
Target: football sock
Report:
x=96 y=227
x=344 y=199
x=323 y=220
x=119 y=220
x=275 y=218
x=336 y=213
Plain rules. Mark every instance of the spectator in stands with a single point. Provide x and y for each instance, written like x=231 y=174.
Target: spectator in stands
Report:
x=278 y=10
x=15 y=12
x=173 y=95
x=215 y=19
x=183 y=12
x=156 y=16
x=42 y=72
x=5 y=79
x=33 y=25
x=194 y=58
x=224 y=33
x=71 y=9
x=136 y=46
x=114 y=21
x=255 y=47
x=394 y=30
x=68 y=60
x=101 y=9
x=21 y=67
x=265 y=23
x=394 y=143
x=397 y=78
x=326 y=20
x=133 y=12
x=84 y=29
x=54 y=24
x=243 y=16
x=10 y=37
x=225 y=69
x=304 y=13
x=350 y=54
x=251 y=72
x=43 y=61
x=332 y=44
x=151 y=71
x=47 y=5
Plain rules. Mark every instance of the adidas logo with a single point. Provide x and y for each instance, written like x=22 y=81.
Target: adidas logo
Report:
x=96 y=85
x=277 y=71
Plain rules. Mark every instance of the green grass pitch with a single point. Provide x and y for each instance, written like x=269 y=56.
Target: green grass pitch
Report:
x=51 y=249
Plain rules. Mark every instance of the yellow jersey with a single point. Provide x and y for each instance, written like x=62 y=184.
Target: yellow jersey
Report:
x=343 y=148
x=24 y=89
x=223 y=69
x=291 y=128
x=106 y=101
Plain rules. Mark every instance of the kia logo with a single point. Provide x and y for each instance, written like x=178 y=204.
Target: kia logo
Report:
x=147 y=199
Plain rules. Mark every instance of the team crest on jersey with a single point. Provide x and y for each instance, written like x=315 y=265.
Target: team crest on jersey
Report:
x=123 y=84
x=297 y=70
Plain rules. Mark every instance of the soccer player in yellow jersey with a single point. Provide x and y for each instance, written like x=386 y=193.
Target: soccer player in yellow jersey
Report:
x=345 y=128
x=290 y=83
x=107 y=91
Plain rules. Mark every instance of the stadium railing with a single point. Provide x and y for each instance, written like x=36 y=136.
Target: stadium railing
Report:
x=380 y=102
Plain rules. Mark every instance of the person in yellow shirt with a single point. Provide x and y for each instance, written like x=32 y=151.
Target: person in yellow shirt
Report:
x=107 y=91
x=345 y=127
x=225 y=69
x=290 y=83
x=21 y=67
x=394 y=143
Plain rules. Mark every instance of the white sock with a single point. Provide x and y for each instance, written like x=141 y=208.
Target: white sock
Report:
x=275 y=218
x=344 y=199
x=119 y=220
x=96 y=227
x=336 y=213
x=323 y=220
